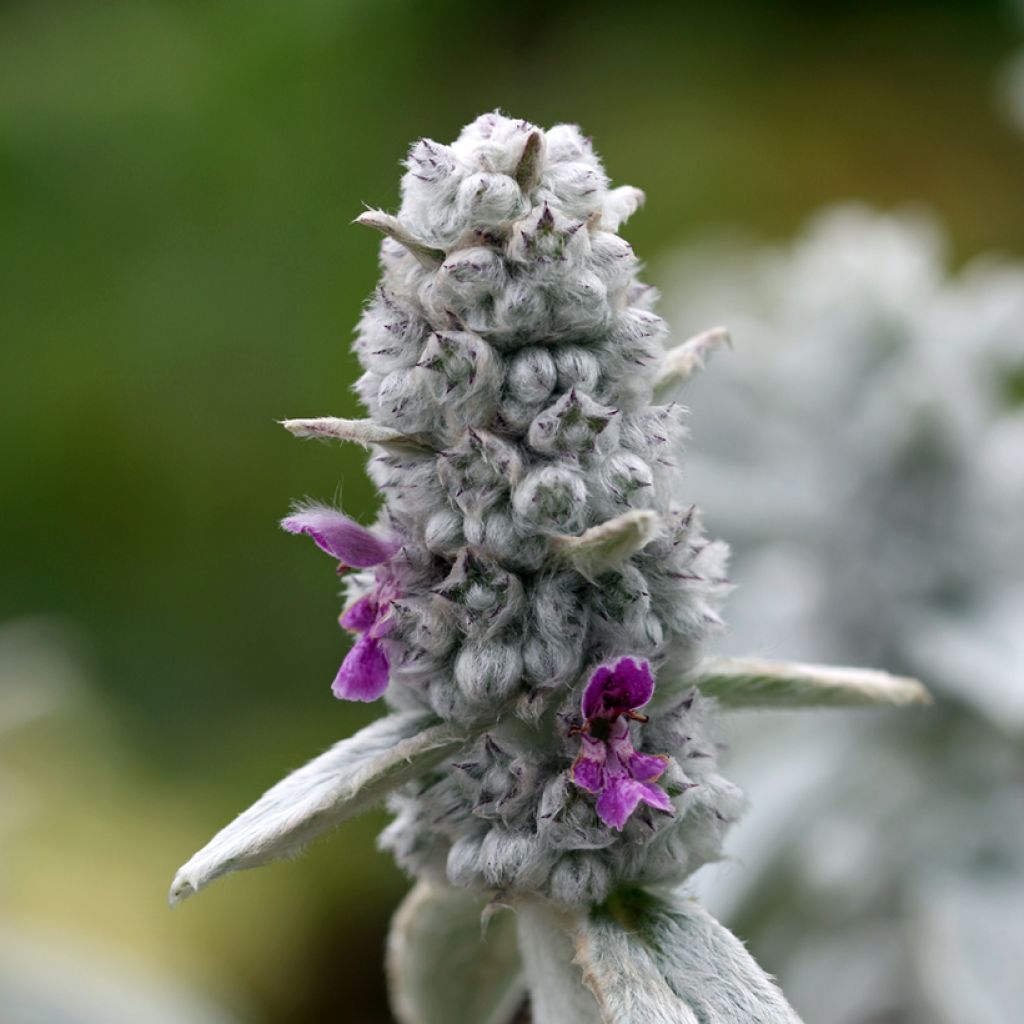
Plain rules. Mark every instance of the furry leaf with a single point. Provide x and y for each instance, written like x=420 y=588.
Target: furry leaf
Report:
x=667 y=961
x=683 y=361
x=444 y=964
x=547 y=940
x=346 y=780
x=364 y=432
x=389 y=225
x=751 y=682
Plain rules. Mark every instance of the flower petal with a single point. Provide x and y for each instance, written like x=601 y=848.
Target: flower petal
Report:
x=642 y=767
x=359 y=617
x=647 y=767
x=656 y=797
x=588 y=768
x=363 y=674
x=385 y=621
x=621 y=797
x=624 y=685
x=340 y=536
x=618 y=801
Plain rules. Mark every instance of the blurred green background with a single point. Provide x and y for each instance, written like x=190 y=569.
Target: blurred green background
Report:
x=178 y=271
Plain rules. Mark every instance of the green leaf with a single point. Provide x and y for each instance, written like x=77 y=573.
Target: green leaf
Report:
x=652 y=960
x=753 y=683
x=444 y=965
x=349 y=778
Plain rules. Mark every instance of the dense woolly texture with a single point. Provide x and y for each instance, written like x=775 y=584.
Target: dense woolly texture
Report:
x=643 y=960
x=874 y=405
x=511 y=343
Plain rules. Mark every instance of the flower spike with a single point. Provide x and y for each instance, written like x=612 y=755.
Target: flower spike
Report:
x=532 y=566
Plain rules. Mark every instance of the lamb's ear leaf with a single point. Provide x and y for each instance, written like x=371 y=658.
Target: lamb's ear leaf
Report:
x=446 y=964
x=364 y=432
x=547 y=940
x=753 y=683
x=682 y=362
x=342 y=782
x=665 y=960
x=619 y=205
x=386 y=224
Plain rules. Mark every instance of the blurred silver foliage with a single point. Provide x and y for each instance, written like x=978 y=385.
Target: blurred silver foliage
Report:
x=863 y=450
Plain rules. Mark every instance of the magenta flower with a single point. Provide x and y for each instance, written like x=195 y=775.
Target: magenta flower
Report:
x=354 y=546
x=607 y=764
x=363 y=675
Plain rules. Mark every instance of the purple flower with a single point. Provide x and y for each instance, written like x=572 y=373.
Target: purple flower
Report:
x=354 y=546
x=607 y=764
x=363 y=674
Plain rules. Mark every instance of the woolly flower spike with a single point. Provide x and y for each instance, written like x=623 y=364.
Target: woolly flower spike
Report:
x=528 y=469
x=608 y=764
x=363 y=675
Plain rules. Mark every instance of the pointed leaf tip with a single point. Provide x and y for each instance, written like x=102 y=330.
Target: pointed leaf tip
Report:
x=527 y=172
x=682 y=362
x=428 y=256
x=362 y=432
x=339 y=784
x=619 y=205
x=181 y=889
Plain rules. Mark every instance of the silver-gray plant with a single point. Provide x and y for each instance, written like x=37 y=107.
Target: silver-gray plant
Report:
x=530 y=586
x=875 y=406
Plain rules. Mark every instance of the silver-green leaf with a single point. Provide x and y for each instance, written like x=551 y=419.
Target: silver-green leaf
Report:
x=362 y=432
x=754 y=683
x=346 y=780
x=665 y=960
x=547 y=939
x=682 y=362
x=389 y=225
x=444 y=965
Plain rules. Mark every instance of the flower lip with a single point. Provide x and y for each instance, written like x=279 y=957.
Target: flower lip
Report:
x=363 y=675
x=617 y=688
x=362 y=615
x=343 y=538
